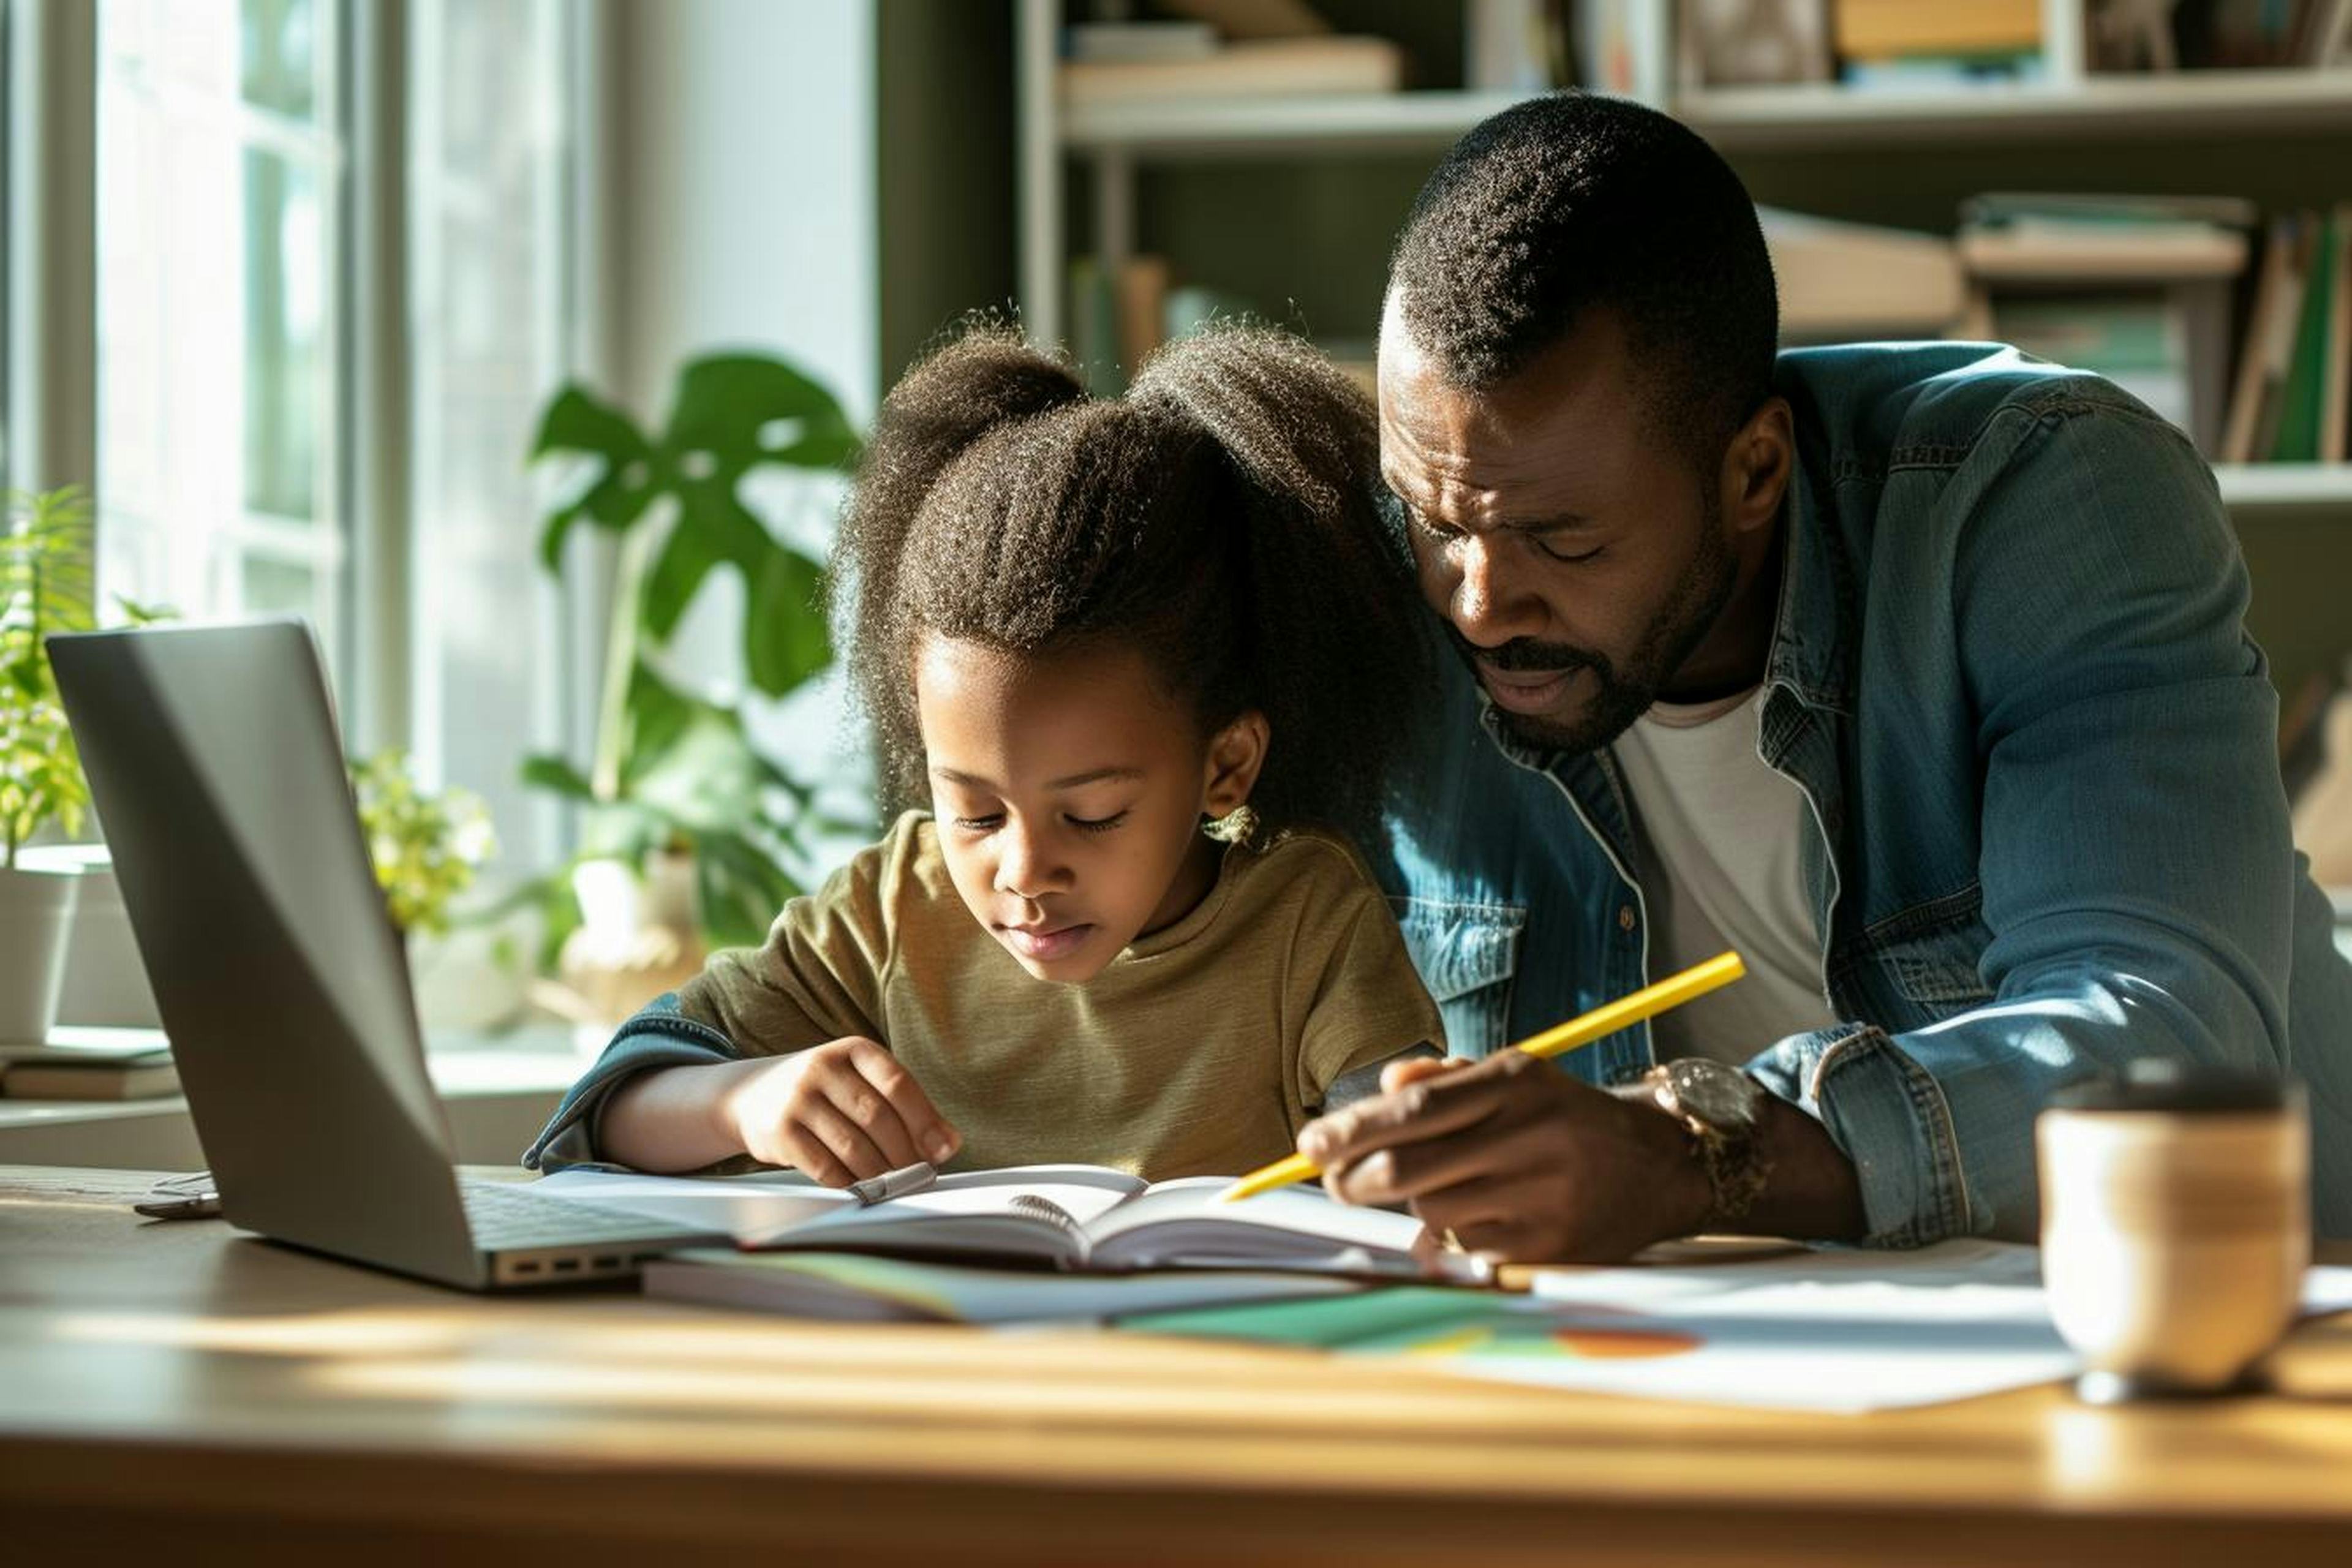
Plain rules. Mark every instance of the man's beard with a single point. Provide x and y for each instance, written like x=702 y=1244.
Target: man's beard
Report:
x=1622 y=696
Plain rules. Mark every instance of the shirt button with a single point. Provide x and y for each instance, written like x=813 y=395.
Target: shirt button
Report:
x=1626 y=917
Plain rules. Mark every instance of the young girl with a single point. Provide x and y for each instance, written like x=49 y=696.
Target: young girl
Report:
x=1086 y=632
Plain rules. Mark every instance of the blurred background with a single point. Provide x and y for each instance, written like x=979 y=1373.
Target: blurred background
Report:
x=520 y=344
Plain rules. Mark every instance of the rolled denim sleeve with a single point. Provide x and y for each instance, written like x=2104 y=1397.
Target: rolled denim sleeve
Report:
x=659 y=1035
x=2133 y=856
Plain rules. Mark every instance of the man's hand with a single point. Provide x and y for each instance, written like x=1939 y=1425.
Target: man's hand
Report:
x=1521 y=1162
x=840 y=1111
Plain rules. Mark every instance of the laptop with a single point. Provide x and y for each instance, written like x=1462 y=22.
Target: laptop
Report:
x=215 y=765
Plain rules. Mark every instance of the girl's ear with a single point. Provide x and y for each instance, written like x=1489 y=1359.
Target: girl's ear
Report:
x=1236 y=752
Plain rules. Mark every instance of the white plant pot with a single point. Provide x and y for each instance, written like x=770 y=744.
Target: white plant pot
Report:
x=36 y=916
x=637 y=937
x=106 y=981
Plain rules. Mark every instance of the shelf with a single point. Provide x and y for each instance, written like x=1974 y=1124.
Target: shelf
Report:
x=2286 y=486
x=1823 y=116
x=1353 y=122
x=2117 y=107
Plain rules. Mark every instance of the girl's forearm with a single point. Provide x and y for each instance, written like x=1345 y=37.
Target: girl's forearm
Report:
x=674 y=1119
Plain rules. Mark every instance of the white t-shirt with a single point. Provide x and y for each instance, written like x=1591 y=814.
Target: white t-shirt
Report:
x=1717 y=836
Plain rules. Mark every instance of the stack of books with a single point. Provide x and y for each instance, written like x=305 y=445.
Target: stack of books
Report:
x=1267 y=48
x=1897 y=44
x=2291 y=400
x=2135 y=289
x=1843 y=281
x=89 y=1063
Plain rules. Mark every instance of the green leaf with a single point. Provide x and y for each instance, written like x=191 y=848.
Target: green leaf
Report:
x=579 y=421
x=557 y=776
x=748 y=409
x=785 y=639
x=712 y=527
x=657 y=715
x=741 y=888
x=626 y=468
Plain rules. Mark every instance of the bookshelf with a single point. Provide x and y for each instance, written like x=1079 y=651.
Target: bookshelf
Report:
x=1105 y=179
x=1823 y=117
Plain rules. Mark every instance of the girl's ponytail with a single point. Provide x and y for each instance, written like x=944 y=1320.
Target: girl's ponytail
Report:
x=1223 y=518
x=986 y=381
x=1334 y=654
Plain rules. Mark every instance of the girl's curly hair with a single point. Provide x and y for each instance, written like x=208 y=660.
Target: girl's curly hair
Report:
x=1223 y=518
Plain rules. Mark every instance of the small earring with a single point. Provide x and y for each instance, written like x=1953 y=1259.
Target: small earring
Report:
x=1239 y=826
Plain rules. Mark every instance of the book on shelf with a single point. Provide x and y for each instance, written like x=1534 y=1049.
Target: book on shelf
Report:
x=1895 y=29
x=2137 y=288
x=1743 y=43
x=2041 y=249
x=2336 y=406
x=1621 y=48
x=2234 y=35
x=2302 y=396
x=2287 y=378
x=1139 y=301
x=1076 y=1218
x=1166 y=40
x=1515 y=45
x=2139 y=340
x=1841 y=280
x=1253 y=19
x=1256 y=68
x=90 y=1064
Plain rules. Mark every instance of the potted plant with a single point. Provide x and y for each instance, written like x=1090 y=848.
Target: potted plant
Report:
x=426 y=847
x=44 y=587
x=690 y=832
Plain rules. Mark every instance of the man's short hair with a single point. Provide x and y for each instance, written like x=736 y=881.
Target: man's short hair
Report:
x=1569 y=203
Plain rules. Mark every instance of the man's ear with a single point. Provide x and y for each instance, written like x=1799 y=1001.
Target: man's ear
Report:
x=1236 y=752
x=1756 y=468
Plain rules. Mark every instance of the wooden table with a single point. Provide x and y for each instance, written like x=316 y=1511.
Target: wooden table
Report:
x=179 y=1392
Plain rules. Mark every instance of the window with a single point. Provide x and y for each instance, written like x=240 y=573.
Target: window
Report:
x=489 y=304
x=222 y=351
x=243 y=158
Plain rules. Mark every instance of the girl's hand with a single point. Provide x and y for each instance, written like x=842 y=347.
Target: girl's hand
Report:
x=840 y=1111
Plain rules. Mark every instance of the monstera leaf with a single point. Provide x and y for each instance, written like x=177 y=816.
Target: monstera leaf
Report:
x=672 y=769
x=732 y=415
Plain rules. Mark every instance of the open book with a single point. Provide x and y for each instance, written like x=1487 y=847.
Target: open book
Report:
x=1078 y=1217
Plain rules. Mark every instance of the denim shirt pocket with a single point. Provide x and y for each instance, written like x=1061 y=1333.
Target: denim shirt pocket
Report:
x=1467 y=954
x=1923 y=962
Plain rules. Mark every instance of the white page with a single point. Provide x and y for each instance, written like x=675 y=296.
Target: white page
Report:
x=971 y=1197
x=767 y=1206
x=1837 y=1331
x=1190 y=1222
x=723 y=1206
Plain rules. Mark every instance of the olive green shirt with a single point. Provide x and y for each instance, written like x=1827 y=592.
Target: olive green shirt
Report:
x=1202 y=1048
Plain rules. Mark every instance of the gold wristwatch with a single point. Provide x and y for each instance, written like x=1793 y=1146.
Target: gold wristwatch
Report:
x=1722 y=1109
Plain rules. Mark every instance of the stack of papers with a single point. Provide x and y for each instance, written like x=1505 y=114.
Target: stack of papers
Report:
x=1837 y=1331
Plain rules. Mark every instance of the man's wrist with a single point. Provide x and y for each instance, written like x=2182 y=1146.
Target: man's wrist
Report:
x=1684 y=1194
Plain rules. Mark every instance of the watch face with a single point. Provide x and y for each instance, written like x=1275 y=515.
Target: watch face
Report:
x=1720 y=1096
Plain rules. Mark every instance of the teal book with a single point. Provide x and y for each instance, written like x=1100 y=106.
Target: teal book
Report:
x=2306 y=391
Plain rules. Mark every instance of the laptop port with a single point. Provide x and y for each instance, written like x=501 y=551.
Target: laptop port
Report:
x=526 y=1268
x=566 y=1266
x=608 y=1263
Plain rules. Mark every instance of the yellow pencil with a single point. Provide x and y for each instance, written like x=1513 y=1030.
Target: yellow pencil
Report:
x=1647 y=1003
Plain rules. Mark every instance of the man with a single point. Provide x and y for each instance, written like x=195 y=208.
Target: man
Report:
x=1915 y=673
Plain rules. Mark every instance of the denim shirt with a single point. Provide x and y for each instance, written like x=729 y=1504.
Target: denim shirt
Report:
x=2046 y=833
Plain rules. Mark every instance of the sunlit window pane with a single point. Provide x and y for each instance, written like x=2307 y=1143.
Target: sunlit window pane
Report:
x=487 y=275
x=285 y=286
x=220 y=366
x=278 y=587
x=277 y=50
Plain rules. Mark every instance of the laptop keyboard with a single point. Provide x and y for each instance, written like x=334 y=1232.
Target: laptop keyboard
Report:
x=505 y=1214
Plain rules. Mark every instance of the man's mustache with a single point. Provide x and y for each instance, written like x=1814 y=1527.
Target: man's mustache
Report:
x=1522 y=655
